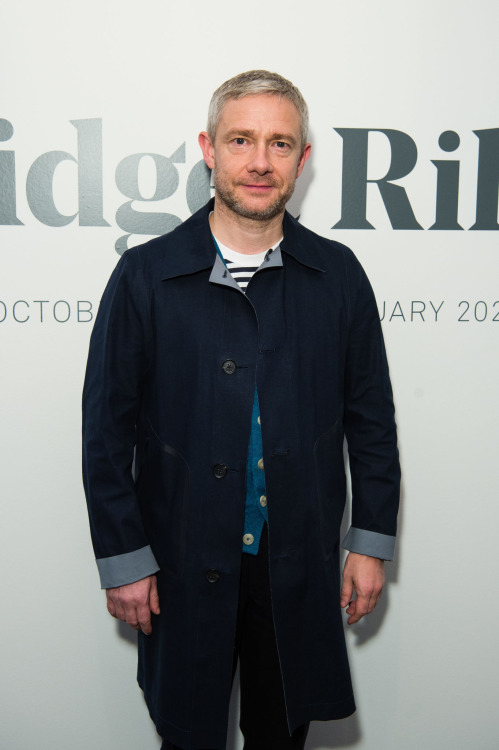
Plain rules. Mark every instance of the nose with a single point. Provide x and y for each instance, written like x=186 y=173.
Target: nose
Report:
x=260 y=162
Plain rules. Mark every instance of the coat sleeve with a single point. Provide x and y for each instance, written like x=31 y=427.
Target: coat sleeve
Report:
x=370 y=427
x=118 y=361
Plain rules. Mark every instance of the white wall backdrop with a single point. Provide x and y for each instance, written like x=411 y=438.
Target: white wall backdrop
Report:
x=137 y=78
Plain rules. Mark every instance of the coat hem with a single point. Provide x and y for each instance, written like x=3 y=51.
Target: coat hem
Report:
x=186 y=739
x=325 y=712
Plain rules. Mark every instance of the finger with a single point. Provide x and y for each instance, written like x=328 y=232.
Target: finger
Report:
x=154 y=597
x=360 y=608
x=115 y=606
x=131 y=615
x=120 y=611
x=132 y=620
x=352 y=612
x=144 y=620
x=354 y=619
x=133 y=624
x=346 y=591
x=374 y=600
x=111 y=607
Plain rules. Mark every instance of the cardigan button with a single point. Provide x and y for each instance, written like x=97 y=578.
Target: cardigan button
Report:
x=248 y=539
x=229 y=367
x=260 y=464
x=219 y=471
x=212 y=576
x=263 y=501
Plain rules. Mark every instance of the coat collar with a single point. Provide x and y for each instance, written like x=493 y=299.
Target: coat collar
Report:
x=301 y=244
x=194 y=250
x=190 y=247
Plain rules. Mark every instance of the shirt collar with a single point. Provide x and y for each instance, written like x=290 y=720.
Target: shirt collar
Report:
x=190 y=248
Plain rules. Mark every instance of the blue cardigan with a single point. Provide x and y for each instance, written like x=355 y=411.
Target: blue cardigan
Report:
x=255 y=512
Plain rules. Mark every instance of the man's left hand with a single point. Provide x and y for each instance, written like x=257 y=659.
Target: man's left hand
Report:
x=366 y=576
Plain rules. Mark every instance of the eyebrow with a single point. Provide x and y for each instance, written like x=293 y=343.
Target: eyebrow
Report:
x=243 y=133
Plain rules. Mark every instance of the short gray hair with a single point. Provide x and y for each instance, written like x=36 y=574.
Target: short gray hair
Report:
x=256 y=82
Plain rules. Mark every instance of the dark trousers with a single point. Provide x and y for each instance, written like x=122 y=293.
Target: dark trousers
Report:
x=263 y=719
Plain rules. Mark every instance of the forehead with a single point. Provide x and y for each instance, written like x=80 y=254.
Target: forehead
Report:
x=261 y=113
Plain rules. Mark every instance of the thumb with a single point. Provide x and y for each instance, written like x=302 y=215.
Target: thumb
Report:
x=153 y=597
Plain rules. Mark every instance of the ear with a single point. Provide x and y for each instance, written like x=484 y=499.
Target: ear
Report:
x=303 y=158
x=207 y=148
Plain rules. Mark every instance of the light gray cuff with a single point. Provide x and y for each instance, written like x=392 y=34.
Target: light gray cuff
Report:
x=128 y=568
x=370 y=543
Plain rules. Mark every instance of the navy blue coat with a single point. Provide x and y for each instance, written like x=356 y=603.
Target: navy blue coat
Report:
x=308 y=334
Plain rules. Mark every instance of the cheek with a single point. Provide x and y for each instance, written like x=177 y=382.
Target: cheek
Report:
x=291 y=173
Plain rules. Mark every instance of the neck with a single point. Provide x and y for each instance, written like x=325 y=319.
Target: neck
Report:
x=248 y=236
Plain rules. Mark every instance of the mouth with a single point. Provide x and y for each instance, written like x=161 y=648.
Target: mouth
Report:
x=258 y=187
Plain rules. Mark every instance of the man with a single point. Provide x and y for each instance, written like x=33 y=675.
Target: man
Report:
x=228 y=361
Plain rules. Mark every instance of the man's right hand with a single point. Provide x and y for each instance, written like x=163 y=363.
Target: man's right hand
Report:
x=134 y=602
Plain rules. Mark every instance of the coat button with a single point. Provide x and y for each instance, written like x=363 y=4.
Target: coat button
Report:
x=212 y=576
x=229 y=367
x=263 y=501
x=219 y=471
x=260 y=463
x=248 y=539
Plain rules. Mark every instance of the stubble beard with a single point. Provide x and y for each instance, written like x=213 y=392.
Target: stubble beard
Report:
x=227 y=196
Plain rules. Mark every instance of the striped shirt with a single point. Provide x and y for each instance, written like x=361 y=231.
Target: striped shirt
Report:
x=242 y=266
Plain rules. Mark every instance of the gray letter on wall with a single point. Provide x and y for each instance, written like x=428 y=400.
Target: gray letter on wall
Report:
x=488 y=179
x=404 y=155
x=39 y=183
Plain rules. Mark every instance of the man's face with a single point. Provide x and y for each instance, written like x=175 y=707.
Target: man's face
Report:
x=256 y=156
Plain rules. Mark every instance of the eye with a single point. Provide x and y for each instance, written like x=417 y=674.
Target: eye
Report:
x=281 y=145
x=239 y=141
